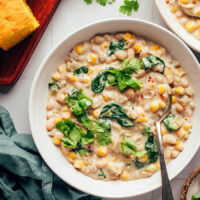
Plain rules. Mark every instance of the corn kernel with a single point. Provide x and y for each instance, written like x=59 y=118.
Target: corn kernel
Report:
x=106 y=98
x=141 y=119
x=137 y=48
x=143 y=158
x=157 y=166
x=85 y=162
x=92 y=59
x=57 y=119
x=124 y=175
x=79 y=49
x=181 y=72
x=104 y=46
x=142 y=113
x=72 y=79
x=154 y=106
x=90 y=71
x=102 y=151
x=66 y=115
x=127 y=36
x=56 y=76
x=197 y=12
x=78 y=164
x=86 y=80
x=162 y=104
x=174 y=9
x=187 y=126
x=184 y=1
x=161 y=89
x=190 y=26
x=180 y=90
x=163 y=131
x=173 y=99
x=96 y=68
x=155 y=47
x=56 y=141
x=142 y=86
x=72 y=155
x=95 y=114
x=177 y=143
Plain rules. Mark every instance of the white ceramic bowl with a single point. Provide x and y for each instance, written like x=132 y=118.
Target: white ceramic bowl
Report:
x=175 y=26
x=38 y=98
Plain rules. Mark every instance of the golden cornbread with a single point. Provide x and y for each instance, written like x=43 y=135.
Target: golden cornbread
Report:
x=16 y=22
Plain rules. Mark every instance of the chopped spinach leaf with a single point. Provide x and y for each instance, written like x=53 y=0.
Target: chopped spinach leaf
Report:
x=196 y=196
x=88 y=1
x=81 y=70
x=173 y=122
x=154 y=63
x=128 y=164
x=53 y=83
x=113 y=47
x=151 y=145
x=139 y=164
x=99 y=82
x=130 y=65
x=116 y=112
x=101 y=173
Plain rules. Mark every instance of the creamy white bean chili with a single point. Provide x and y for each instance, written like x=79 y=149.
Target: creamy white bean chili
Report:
x=103 y=101
x=187 y=13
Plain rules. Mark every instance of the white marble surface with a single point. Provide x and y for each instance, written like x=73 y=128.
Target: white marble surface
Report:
x=71 y=15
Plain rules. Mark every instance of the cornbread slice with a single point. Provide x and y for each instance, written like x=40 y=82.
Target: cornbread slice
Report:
x=16 y=22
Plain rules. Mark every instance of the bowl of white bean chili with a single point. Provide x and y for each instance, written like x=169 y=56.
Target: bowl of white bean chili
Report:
x=94 y=101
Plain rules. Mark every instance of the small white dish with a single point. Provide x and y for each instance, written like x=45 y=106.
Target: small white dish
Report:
x=38 y=98
x=175 y=26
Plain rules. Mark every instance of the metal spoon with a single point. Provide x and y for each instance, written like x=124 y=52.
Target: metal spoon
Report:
x=166 y=188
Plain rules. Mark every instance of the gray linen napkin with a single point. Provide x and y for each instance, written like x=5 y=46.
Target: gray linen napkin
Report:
x=23 y=174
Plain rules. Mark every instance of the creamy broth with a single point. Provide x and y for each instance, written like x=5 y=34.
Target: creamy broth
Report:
x=187 y=13
x=126 y=156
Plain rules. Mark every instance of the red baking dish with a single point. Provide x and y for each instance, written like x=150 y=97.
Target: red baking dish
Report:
x=14 y=61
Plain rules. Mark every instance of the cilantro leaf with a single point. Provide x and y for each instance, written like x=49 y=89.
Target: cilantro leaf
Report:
x=88 y=1
x=129 y=6
x=196 y=196
x=103 y=132
x=78 y=101
x=131 y=64
x=102 y=2
x=128 y=146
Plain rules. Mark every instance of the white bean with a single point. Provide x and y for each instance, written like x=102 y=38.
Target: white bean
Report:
x=169 y=139
x=121 y=55
x=180 y=147
x=131 y=53
x=189 y=91
x=119 y=36
x=102 y=57
x=167 y=153
x=101 y=163
x=50 y=125
x=108 y=37
x=179 y=108
x=174 y=153
x=95 y=49
x=184 y=82
x=110 y=59
x=50 y=105
x=98 y=40
x=130 y=93
x=60 y=99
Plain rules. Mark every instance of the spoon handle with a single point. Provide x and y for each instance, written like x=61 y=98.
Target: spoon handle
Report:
x=166 y=188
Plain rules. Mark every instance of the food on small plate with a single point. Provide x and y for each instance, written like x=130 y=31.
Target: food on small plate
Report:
x=187 y=13
x=16 y=22
x=190 y=7
x=103 y=101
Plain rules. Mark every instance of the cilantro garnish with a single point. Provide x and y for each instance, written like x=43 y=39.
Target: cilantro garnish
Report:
x=88 y=1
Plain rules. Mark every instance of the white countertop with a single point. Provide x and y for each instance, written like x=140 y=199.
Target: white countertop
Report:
x=71 y=15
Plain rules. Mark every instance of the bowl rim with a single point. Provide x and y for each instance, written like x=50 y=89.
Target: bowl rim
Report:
x=177 y=28
x=42 y=65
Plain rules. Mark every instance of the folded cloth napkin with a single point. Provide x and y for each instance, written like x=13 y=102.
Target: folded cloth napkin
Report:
x=23 y=174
